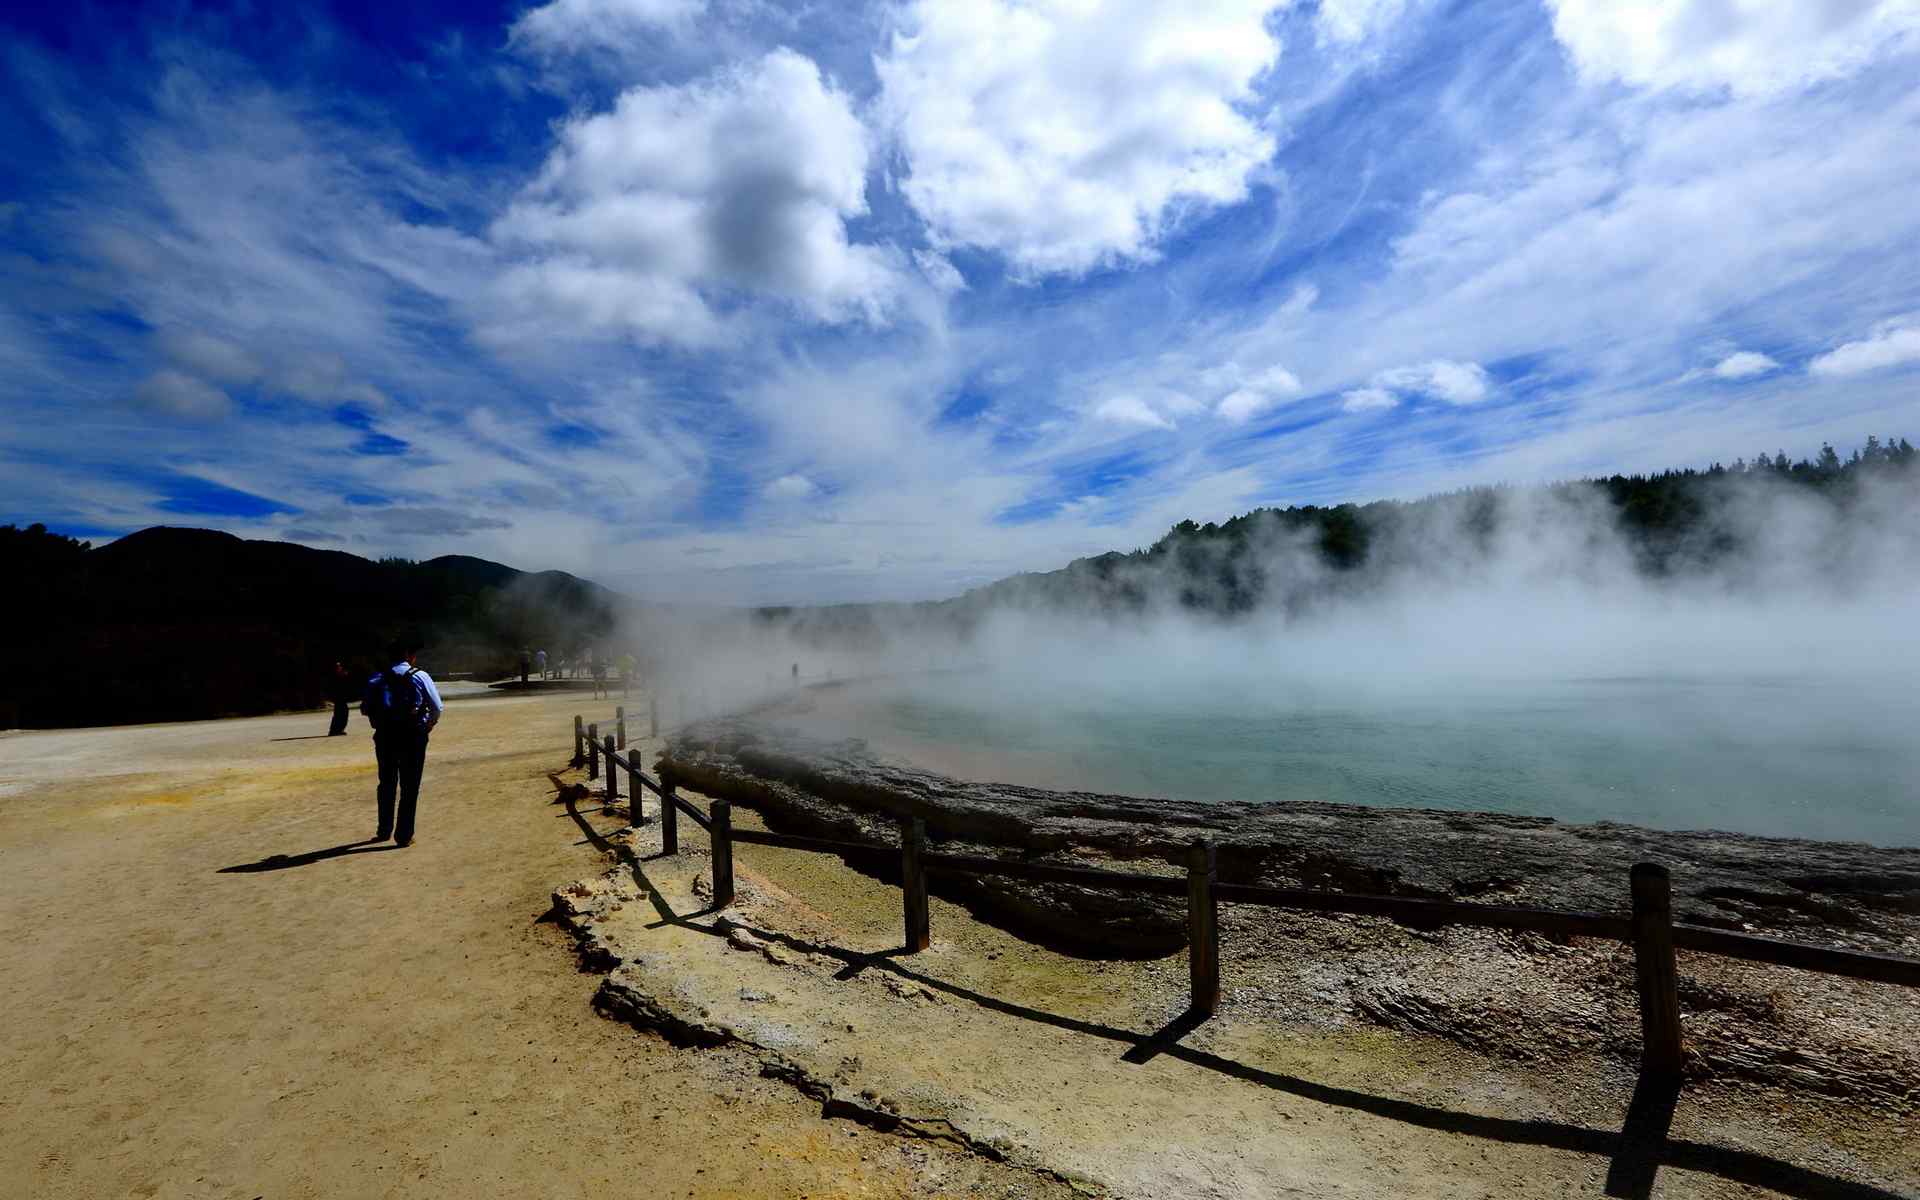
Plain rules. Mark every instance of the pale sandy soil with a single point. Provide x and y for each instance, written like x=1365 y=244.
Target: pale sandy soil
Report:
x=374 y=1022
x=383 y=1022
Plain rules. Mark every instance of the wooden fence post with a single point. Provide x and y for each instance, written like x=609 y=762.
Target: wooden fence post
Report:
x=593 y=751
x=722 y=816
x=669 y=817
x=1203 y=928
x=653 y=715
x=620 y=727
x=635 y=797
x=579 y=738
x=913 y=883
x=1654 y=966
x=613 y=773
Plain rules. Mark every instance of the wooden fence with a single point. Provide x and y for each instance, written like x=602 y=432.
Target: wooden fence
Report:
x=1648 y=923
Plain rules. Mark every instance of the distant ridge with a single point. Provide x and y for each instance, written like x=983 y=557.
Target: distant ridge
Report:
x=180 y=624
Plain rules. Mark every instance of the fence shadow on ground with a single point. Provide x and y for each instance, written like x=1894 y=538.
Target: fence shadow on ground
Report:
x=1636 y=1152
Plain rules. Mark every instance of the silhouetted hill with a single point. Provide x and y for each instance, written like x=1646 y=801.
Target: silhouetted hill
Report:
x=176 y=624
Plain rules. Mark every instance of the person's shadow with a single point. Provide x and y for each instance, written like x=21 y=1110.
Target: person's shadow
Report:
x=281 y=862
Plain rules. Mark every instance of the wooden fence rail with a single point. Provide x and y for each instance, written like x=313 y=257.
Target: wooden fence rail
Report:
x=1648 y=924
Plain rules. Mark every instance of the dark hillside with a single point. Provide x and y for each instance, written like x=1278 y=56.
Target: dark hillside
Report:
x=176 y=624
x=1674 y=523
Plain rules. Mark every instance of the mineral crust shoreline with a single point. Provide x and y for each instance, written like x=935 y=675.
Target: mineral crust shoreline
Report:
x=1839 y=893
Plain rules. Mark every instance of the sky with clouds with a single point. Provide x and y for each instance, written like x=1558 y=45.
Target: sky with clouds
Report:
x=746 y=301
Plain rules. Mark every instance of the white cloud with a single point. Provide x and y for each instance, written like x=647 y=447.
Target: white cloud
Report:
x=1741 y=364
x=790 y=487
x=1750 y=47
x=940 y=272
x=209 y=356
x=1345 y=22
x=574 y=26
x=649 y=217
x=1130 y=410
x=323 y=379
x=1744 y=364
x=1258 y=393
x=1067 y=134
x=177 y=394
x=1893 y=343
x=1368 y=399
x=1457 y=383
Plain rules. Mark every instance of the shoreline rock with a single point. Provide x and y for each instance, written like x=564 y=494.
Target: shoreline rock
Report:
x=1841 y=893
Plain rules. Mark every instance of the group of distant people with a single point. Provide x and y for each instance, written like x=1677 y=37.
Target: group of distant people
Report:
x=594 y=663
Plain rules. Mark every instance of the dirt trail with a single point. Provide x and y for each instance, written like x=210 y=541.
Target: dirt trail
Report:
x=189 y=1016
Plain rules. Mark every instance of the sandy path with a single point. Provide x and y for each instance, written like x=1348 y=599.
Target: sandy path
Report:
x=372 y=1022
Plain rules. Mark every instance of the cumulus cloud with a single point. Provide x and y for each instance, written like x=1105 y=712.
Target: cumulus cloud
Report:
x=1067 y=134
x=790 y=487
x=1257 y=393
x=1457 y=383
x=1741 y=364
x=176 y=394
x=1368 y=399
x=1749 y=47
x=649 y=217
x=1893 y=343
x=574 y=26
x=1130 y=410
x=1744 y=364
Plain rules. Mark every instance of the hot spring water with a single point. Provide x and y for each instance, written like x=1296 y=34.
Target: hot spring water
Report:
x=1830 y=759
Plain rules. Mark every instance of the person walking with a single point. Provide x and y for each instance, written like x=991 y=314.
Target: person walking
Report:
x=340 y=689
x=540 y=662
x=627 y=664
x=597 y=665
x=404 y=707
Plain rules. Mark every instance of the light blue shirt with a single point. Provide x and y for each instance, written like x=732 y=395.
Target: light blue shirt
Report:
x=435 y=706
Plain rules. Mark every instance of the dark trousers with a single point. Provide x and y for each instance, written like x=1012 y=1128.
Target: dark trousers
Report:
x=339 y=725
x=402 y=757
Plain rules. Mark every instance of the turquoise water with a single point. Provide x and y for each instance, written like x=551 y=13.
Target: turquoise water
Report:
x=1820 y=759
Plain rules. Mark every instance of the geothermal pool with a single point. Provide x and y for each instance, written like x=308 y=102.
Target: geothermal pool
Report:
x=1830 y=759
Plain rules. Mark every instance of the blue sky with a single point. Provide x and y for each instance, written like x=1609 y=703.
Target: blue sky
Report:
x=745 y=301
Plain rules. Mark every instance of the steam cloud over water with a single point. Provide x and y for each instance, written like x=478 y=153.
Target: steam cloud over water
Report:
x=1514 y=649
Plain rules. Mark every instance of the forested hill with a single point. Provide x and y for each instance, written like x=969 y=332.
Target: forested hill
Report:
x=176 y=624
x=1673 y=523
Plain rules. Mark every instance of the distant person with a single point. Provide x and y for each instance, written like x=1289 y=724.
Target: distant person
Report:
x=341 y=689
x=627 y=665
x=404 y=707
x=540 y=662
x=597 y=666
x=526 y=665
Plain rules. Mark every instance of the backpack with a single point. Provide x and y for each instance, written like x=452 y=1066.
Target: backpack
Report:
x=394 y=701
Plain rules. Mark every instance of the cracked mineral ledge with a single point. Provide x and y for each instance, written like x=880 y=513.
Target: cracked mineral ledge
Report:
x=1350 y=1056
